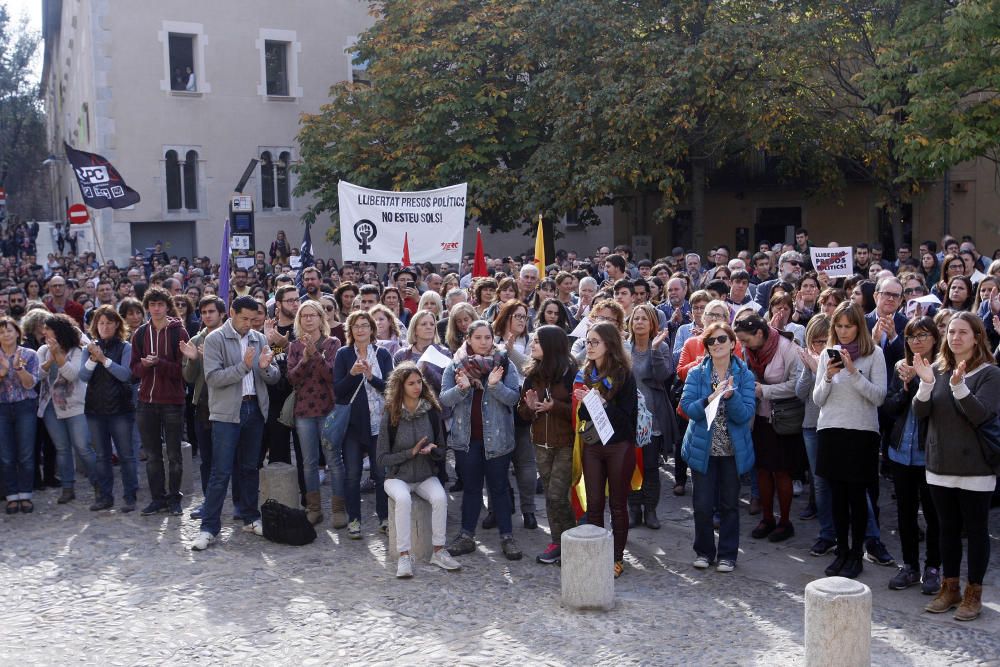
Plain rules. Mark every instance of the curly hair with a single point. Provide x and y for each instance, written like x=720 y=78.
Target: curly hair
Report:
x=394 y=390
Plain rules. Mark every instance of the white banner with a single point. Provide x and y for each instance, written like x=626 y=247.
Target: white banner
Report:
x=834 y=261
x=374 y=223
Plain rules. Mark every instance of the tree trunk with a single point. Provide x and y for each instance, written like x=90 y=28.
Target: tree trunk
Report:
x=894 y=212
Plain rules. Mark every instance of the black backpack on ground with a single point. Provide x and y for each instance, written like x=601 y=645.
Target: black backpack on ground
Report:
x=286 y=525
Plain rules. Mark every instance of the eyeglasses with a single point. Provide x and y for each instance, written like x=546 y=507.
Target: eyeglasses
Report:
x=913 y=290
x=289 y=300
x=520 y=317
x=918 y=338
x=593 y=342
x=361 y=325
x=713 y=316
x=712 y=340
x=794 y=262
x=895 y=296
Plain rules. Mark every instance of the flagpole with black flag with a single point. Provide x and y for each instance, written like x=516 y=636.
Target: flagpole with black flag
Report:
x=306 y=257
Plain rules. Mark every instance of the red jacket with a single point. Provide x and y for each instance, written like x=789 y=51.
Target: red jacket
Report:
x=162 y=383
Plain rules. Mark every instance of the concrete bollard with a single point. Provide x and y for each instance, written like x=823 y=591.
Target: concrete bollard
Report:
x=838 y=623
x=421 y=544
x=187 y=472
x=279 y=481
x=588 y=578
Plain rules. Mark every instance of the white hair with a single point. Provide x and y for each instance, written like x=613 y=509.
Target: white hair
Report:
x=737 y=264
x=587 y=281
x=528 y=268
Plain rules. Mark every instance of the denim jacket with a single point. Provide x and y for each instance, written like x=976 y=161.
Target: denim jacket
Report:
x=498 y=411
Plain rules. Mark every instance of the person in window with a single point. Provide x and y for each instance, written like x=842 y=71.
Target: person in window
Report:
x=191 y=86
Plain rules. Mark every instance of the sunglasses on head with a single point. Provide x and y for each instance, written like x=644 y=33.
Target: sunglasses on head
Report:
x=720 y=339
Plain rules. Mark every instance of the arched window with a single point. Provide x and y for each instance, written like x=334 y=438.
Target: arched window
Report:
x=173 y=180
x=266 y=180
x=281 y=179
x=191 y=181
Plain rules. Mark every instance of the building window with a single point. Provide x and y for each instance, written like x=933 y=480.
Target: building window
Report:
x=279 y=63
x=191 y=180
x=275 y=182
x=173 y=180
x=182 y=76
x=276 y=67
x=266 y=180
x=180 y=167
x=183 y=59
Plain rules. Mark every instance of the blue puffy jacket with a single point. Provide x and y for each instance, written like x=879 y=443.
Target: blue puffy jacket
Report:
x=740 y=408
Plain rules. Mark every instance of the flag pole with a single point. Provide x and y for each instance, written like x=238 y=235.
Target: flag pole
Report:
x=97 y=240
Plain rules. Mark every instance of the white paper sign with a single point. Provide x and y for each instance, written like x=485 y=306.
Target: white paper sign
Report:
x=598 y=416
x=375 y=223
x=434 y=357
x=581 y=329
x=835 y=262
x=712 y=409
x=925 y=301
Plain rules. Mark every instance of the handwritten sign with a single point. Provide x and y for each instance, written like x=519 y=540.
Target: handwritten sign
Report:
x=835 y=262
x=598 y=416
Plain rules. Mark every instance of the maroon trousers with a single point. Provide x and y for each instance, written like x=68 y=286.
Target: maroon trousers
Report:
x=611 y=464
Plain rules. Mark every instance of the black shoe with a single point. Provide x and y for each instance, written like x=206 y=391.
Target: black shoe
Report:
x=763 y=529
x=457 y=486
x=68 y=495
x=853 y=567
x=782 y=532
x=835 y=568
x=489 y=522
x=822 y=547
x=175 y=508
x=154 y=507
x=530 y=522
x=634 y=516
x=102 y=504
x=876 y=552
x=510 y=549
x=650 y=519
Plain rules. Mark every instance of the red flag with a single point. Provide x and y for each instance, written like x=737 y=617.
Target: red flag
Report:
x=406 y=249
x=479 y=269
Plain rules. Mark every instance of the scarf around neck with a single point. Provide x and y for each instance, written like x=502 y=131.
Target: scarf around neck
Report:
x=759 y=359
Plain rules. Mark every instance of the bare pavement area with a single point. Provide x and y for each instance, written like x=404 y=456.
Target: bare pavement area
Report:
x=119 y=589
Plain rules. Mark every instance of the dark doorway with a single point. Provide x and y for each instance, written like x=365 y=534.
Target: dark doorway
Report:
x=681 y=229
x=178 y=238
x=777 y=224
x=885 y=231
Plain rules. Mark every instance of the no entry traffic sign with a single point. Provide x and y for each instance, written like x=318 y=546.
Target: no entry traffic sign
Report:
x=78 y=214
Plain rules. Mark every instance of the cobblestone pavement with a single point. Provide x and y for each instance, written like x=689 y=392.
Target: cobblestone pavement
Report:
x=113 y=589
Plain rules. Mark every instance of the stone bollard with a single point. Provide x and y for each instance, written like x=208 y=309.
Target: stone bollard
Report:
x=838 y=623
x=421 y=545
x=187 y=472
x=588 y=578
x=281 y=482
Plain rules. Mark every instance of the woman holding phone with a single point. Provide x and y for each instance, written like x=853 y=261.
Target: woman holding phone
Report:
x=850 y=387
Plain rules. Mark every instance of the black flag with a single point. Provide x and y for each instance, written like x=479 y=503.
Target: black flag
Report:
x=100 y=183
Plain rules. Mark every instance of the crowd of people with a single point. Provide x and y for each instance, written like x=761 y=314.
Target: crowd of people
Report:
x=591 y=378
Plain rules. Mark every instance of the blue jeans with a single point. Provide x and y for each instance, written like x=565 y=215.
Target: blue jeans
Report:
x=234 y=446
x=475 y=469
x=17 y=447
x=204 y=429
x=308 y=429
x=721 y=484
x=824 y=496
x=69 y=435
x=104 y=429
x=354 y=460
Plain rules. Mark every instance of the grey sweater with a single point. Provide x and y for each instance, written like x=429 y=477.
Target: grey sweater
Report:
x=804 y=390
x=952 y=444
x=852 y=401
x=397 y=457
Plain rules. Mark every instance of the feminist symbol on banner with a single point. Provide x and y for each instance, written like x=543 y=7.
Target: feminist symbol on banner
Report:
x=365 y=232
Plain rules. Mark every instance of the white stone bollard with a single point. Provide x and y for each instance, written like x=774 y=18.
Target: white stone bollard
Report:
x=187 y=472
x=279 y=481
x=421 y=544
x=838 y=623
x=588 y=578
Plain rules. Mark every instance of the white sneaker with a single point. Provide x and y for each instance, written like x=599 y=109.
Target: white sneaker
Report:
x=366 y=465
x=725 y=566
x=202 y=541
x=796 y=488
x=257 y=527
x=383 y=527
x=404 y=568
x=354 y=530
x=444 y=560
x=701 y=562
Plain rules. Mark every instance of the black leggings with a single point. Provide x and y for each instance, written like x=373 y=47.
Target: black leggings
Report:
x=958 y=509
x=850 y=515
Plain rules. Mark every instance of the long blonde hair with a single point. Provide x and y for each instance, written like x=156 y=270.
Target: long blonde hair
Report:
x=319 y=310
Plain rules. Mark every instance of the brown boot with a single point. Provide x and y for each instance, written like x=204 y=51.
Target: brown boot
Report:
x=339 y=511
x=314 y=511
x=947 y=598
x=972 y=603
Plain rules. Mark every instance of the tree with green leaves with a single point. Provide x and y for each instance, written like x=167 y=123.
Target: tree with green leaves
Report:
x=22 y=124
